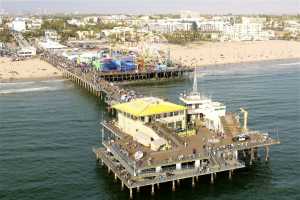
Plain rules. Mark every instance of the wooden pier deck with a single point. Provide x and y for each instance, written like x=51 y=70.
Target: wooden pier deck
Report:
x=211 y=159
x=160 y=177
x=104 y=84
x=171 y=73
x=89 y=80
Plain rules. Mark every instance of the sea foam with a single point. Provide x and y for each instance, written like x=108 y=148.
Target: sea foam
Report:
x=295 y=63
x=24 y=90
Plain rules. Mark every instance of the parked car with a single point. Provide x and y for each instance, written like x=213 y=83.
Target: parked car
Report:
x=240 y=138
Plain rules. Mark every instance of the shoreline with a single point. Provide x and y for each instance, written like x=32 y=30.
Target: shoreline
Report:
x=60 y=76
x=205 y=55
x=216 y=53
x=27 y=70
x=297 y=59
x=208 y=67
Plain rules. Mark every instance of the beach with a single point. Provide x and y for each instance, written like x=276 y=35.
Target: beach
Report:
x=31 y=69
x=194 y=54
x=212 y=53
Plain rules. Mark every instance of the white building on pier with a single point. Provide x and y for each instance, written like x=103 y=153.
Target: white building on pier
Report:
x=204 y=109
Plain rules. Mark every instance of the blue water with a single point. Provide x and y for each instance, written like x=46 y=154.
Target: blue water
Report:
x=48 y=129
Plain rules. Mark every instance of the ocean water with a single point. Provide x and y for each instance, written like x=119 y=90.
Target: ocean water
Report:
x=48 y=129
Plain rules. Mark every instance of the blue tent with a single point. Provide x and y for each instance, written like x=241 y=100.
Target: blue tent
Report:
x=110 y=65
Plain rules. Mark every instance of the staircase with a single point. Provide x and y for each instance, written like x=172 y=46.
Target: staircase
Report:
x=230 y=124
x=166 y=133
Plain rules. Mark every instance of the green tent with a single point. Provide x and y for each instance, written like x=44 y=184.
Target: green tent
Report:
x=97 y=64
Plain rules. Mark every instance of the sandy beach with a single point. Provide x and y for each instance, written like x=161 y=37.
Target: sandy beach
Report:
x=211 y=53
x=27 y=69
x=195 y=54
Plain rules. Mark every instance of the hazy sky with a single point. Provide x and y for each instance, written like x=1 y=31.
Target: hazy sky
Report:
x=154 y=6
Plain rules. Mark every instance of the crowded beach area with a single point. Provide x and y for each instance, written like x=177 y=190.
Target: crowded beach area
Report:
x=31 y=69
x=212 y=53
x=190 y=55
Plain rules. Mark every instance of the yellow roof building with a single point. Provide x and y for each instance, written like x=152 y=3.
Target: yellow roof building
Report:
x=148 y=106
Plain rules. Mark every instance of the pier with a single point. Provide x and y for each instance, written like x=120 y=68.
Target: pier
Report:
x=180 y=163
x=153 y=141
x=143 y=147
x=105 y=84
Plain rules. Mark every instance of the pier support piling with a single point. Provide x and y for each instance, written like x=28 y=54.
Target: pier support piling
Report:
x=157 y=185
x=255 y=153
x=251 y=156
x=212 y=178
x=138 y=189
x=152 y=190
x=193 y=181
x=97 y=158
x=178 y=182
x=173 y=186
x=130 y=193
x=122 y=185
x=267 y=150
x=230 y=175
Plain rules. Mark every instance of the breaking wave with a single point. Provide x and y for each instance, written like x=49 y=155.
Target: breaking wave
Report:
x=17 y=83
x=24 y=90
x=53 y=81
x=295 y=63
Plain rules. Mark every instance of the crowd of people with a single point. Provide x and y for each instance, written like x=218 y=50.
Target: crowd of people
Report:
x=113 y=92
